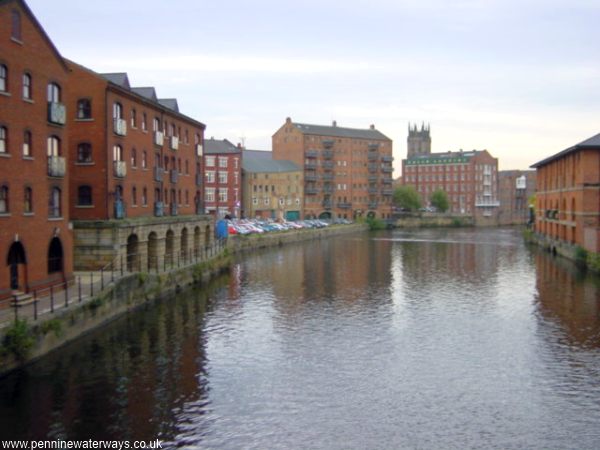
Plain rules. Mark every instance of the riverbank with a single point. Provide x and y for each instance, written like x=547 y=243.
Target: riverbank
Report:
x=429 y=220
x=27 y=339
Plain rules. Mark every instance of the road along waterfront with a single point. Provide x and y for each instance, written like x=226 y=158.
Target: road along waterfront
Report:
x=439 y=338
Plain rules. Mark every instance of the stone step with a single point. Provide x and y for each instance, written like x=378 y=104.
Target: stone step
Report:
x=21 y=299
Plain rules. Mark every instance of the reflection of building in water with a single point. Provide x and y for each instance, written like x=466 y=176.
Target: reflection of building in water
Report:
x=566 y=295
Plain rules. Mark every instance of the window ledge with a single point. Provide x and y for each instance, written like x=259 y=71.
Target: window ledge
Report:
x=85 y=206
x=28 y=158
x=5 y=215
x=85 y=163
x=55 y=219
x=16 y=41
x=84 y=120
x=28 y=214
x=5 y=93
x=28 y=100
x=5 y=155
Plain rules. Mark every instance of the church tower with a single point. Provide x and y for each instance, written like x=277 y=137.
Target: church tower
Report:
x=419 y=141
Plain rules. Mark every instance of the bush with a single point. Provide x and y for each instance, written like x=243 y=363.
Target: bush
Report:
x=18 y=340
x=581 y=256
x=376 y=224
x=54 y=325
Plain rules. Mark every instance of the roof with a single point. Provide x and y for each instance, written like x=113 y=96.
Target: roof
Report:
x=262 y=154
x=334 y=130
x=148 y=92
x=170 y=103
x=591 y=143
x=119 y=78
x=260 y=164
x=215 y=146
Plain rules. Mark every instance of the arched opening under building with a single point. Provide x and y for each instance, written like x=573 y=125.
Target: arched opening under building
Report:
x=325 y=215
x=371 y=214
x=55 y=256
x=207 y=236
x=169 y=244
x=184 y=244
x=152 y=251
x=196 y=241
x=16 y=257
x=132 y=253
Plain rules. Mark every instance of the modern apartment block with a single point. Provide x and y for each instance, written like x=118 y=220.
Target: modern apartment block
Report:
x=273 y=189
x=35 y=239
x=347 y=171
x=568 y=197
x=223 y=177
x=470 y=179
x=516 y=187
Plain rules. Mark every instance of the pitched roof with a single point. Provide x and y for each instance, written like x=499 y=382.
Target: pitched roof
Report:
x=147 y=92
x=334 y=130
x=170 y=103
x=262 y=154
x=590 y=143
x=119 y=78
x=260 y=164
x=215 y=146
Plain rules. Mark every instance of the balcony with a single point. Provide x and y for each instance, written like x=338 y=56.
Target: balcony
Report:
x=327 y=177
x=373 y=178
x=374 y=146
x=119 y=209
x=344 y=205
x=327 y=165
x=387 y=192
x=328 y=189
x=174 y=142
x=159 y=209
x=484 y=203
x=158 y=174
x=373 y=190
x=327 y=154
x=311 y=177
x=386 y=180
x=173 y=176
x=198 y=179
x=159 y=138
x=120 y=127
x=56 y=166
x=387 y=159
x=310 y=165
x=326 y=204
x=387 y=169
x=310 y=153
x=311 y=190
x=120 y=169
x=328 y=143
x=199 y=150
x=57 y=113
x=173 y=209
x=373 y=156
x=373 y=205
x=373 y=167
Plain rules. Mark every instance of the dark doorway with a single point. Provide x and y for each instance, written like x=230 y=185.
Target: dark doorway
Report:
x=16 y=256
x=55 y=256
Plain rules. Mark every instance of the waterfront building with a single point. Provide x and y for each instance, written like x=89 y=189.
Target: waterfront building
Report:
x=223 y=177
x=35 y=239
x=516 y=187
x=568 y=197
x=469 y=178
x=347 y=171
x=272 y=188
x=136 y=173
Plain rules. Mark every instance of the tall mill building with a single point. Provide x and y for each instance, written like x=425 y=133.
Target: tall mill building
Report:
x=347 y=171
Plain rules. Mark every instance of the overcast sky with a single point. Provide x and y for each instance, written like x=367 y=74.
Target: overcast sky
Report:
x=519 y=78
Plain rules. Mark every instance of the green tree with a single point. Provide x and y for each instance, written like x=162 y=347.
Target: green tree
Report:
x=407 y=197
x=439 y=199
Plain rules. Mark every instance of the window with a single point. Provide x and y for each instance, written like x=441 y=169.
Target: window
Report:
x=209 y=195
x=27 y=200
x=187 y=197
x=16 y=25
x=134 y=196
x=4 y=200
x=133 y=119
x=53 y=146
x=84 y=152
x=84 y=108
x=84 y=196
x=144 y=197
x=133 y=157
x=254 y=200
x=187 y=136
x=144 y=159
x=210 y=176
x=156 y=124
x=187 y=167
x=53 y=93
x=223 y=194
x=222 y=161
x=222 y=177
x=144 y=122
x=54 y=203
x=3 y=140
x=117 y=153
x=3 y=78
x=117 y=110
x=27 y=94
x=235 y=162
x=27 y=143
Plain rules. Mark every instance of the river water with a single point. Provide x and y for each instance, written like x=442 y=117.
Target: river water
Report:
x=444 y=338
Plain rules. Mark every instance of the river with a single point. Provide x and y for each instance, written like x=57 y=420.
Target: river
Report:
x=439 y=338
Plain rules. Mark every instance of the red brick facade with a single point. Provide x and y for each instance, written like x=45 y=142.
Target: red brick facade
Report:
x=568 y=196
x=223 y=178
x=35 y=239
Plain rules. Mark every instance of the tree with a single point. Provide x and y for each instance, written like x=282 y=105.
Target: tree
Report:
x=406 y=197
x=439 y=199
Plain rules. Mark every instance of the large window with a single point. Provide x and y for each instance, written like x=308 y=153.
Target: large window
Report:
x=117 y=111
x=4 y=200
x=118 y=153
x=133 y=157
x=53 y=93
x=84 y=108
x=209 y=194
x=28 y=200
x=3 y=78
x=210 y=161
x=84 y=196
x=3 y=140
x=223 y=194
x=210 y=176
x=144 y=159
x=15 y=31
x=27 y=143
x=222 y=161
x=222 y=177
x=84 y=152
x=27 y=93
x=133 y=118
x=53 y=146
x=54 y=203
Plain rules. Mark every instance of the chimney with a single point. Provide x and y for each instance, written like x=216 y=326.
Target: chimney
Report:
x=372 y=127
x=288 y=120
x=239 y=145
x=334 y=124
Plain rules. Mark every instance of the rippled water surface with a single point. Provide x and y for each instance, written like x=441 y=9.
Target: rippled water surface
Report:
x=423 y=339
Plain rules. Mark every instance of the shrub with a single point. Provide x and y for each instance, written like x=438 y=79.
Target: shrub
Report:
x=376 y=224
x=18 y=340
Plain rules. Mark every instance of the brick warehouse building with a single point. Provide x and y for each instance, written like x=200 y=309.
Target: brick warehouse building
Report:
x=470 y=179
x=35 y=240
x=136 y=165
x=515 y=189
x=347 y=171
x=223 y=177
x=568 y=197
